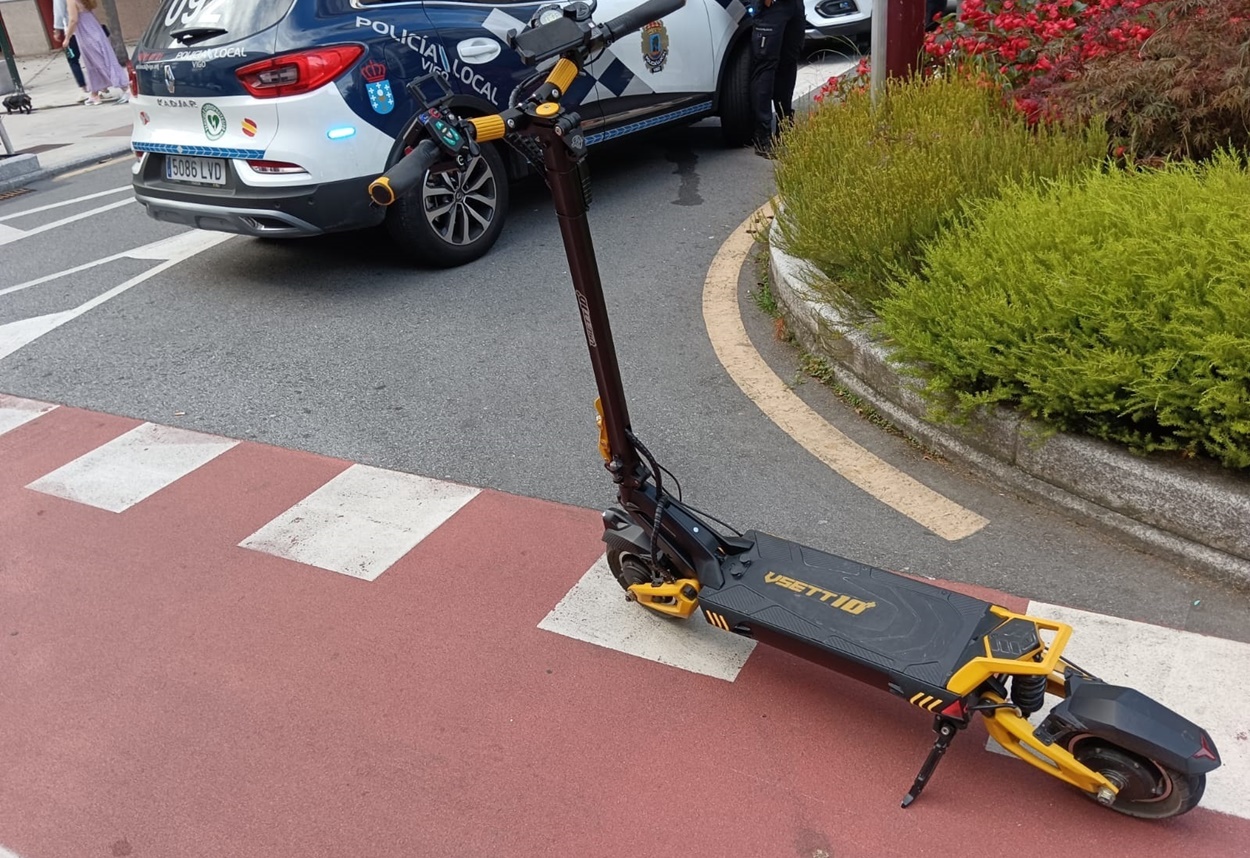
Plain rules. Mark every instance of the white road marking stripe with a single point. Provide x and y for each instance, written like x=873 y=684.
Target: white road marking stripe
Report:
x=1205 y=679
x=59 y=274
x=51 y=206
x=362 y=521
x=723 y=319
x=595 y=611
x=174 y=247
x=8 y=233
x=119 y=474
x=15 y=335
x=9 y=237
x=15 y=411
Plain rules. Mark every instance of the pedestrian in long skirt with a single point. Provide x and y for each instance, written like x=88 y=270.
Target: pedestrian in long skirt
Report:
x=99 y=63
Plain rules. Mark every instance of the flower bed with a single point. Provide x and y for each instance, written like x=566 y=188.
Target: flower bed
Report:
x=1010 y=259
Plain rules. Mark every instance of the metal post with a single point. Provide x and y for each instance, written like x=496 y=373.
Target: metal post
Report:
x=877 y=58
x=6 y=47
x=906 y=41
x=897 y=40
x=4 y=139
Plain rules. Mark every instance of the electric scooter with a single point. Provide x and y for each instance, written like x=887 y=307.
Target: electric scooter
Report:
x=946 y=653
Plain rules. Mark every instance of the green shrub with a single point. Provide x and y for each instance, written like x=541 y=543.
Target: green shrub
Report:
x=863 y=188
x=1114 y=304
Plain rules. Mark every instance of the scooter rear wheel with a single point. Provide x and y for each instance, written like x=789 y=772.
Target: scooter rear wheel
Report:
x=1148 y=789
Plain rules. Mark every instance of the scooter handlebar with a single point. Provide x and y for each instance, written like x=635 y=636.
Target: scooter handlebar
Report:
x=639 y=17
x=403 y=177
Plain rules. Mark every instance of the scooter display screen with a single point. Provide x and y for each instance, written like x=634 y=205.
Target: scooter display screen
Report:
x=549 y=40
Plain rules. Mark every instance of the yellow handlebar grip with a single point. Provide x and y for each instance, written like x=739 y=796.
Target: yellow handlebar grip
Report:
x=487 y=128
x=563 y=74
x=381 y=192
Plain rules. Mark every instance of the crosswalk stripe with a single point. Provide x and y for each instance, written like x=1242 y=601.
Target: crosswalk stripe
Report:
x=362 y=521
x=595 y=611
x=119 y=474
x=15 y=411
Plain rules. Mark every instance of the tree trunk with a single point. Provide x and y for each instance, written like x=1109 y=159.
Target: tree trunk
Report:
x=115 y=30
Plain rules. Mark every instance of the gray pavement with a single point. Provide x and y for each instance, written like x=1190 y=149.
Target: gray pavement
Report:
x=60 y=133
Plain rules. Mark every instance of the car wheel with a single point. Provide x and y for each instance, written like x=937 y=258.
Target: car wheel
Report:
x=737 y=118
x=455 y=217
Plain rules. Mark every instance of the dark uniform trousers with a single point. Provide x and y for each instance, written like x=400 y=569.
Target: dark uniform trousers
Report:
x=776 y=43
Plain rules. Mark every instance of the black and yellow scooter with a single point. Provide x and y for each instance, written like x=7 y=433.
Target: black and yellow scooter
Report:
x=946 y=653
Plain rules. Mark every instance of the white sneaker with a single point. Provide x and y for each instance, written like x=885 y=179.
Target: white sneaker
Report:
x=123 y=98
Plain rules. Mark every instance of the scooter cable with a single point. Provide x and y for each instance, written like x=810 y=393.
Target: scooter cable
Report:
x=696 y=511
x=661 y=500
x=666 y=500
x=673 y=477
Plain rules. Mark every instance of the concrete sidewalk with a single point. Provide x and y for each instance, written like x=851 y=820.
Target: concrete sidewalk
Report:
x=61 y=133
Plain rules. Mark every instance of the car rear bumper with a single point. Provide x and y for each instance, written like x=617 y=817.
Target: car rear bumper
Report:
x=289 y=210
x=839 y=29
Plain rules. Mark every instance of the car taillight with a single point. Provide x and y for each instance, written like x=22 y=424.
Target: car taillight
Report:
x=293 y=74
x=275 y=167
x=134 y=78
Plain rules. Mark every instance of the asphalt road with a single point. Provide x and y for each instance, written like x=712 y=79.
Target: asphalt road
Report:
x=479 y=374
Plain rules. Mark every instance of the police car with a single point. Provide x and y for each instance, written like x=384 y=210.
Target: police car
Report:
x=833 y=19
x=271 y=118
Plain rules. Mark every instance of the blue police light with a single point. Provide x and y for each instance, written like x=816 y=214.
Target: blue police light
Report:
x=341 y=133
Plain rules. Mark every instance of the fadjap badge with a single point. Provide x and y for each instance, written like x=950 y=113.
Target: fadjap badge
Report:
x=655 y=46
x=381 y=98
x=214 y=121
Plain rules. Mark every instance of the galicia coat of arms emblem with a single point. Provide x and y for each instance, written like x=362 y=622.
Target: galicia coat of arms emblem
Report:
x=655 y=46
x=381 y=97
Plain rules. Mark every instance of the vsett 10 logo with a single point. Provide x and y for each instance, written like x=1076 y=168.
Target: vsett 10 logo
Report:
x=844 y=603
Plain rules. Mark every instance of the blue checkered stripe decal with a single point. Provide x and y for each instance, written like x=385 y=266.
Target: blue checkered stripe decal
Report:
x=204 y=151
x=592 y=139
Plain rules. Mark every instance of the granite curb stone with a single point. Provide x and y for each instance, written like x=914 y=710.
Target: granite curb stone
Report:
x=1193 y=512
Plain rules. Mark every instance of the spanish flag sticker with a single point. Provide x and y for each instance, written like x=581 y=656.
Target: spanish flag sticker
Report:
x=249 y=127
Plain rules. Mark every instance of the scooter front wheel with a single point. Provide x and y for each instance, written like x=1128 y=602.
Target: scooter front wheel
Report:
x=629 y=569
x=1147 y=789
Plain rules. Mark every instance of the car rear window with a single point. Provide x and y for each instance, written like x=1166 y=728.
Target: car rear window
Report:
x=238 y=18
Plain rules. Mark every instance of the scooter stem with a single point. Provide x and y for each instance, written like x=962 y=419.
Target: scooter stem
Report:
x=570 y=206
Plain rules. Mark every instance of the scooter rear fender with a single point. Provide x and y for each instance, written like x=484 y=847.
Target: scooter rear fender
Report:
x=1129 y=719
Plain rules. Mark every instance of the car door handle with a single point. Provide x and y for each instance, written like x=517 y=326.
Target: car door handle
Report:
x=478 y=50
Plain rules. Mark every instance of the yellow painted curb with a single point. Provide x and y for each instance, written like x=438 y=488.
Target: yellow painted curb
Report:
x=723 y=319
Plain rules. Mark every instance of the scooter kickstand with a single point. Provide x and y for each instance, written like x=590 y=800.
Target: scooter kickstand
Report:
x=946 y=730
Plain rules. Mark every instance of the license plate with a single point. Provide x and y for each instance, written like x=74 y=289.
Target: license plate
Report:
x=201 y=171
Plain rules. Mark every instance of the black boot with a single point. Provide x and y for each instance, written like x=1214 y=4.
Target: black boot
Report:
x=763 y=143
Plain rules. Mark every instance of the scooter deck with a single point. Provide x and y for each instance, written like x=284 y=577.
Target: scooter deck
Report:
x=914 y=635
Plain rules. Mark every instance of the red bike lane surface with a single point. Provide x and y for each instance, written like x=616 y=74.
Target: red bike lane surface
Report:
x=164 y=692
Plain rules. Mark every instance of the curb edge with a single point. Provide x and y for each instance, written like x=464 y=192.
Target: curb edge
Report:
x=1075 y=473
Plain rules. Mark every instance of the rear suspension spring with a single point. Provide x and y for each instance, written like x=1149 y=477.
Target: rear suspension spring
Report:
x=1028 y=693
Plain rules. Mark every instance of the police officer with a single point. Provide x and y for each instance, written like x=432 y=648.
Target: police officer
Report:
x=776 y=42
